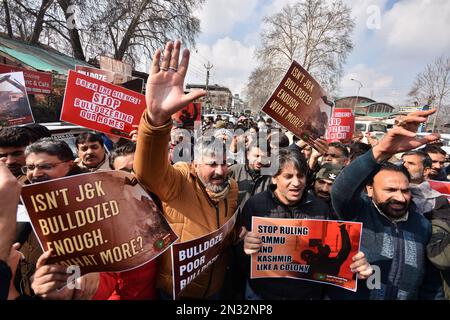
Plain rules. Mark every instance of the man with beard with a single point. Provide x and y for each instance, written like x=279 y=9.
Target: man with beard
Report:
x=437 y=156
x=436 y=208
x=91 y=152
x=418 y=163
x=395 y=234
x=197 y=199
x=337 y=154
x=13 y=141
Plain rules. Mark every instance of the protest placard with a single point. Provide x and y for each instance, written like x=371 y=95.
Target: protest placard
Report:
x=191 y=258
x=103 y=75
x=14 y=105
x=186 y=117
x=136 y=85
x=101 y=106
x=298 y=103
x=35 y=82
x=341 y=126
x=313 y=250
x=101 y=222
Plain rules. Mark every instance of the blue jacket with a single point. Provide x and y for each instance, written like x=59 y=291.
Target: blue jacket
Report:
x=398 y=249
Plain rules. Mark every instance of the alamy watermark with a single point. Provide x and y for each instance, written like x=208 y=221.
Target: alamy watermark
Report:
x=227 y=145
x=374 y=17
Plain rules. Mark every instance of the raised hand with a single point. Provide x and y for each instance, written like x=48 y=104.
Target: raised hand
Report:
x=403 y=136
x=164 y=92
x=321 y=145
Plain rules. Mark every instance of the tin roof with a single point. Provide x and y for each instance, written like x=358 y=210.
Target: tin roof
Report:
x=38 y=57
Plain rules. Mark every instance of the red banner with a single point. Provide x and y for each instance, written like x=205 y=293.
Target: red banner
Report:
x=35 y=82
x=341 y=125
x=101 y=106
x=313 y=250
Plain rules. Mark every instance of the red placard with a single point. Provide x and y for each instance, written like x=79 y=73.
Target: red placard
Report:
x=341 y=125
x=101 y=106
x=35 y=82
x=312 y=250
x=186 y=117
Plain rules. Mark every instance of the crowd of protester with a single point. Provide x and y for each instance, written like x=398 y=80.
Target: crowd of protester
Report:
x=383 y=184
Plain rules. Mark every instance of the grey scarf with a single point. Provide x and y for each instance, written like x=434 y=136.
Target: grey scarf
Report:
x=424 y=197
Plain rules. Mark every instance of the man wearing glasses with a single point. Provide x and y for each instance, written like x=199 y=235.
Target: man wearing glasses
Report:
x=43 y=160
x=48 y=159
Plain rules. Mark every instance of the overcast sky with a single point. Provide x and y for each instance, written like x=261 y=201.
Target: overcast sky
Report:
x=386 y=56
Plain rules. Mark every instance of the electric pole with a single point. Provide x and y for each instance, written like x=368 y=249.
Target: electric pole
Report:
x=208 y=98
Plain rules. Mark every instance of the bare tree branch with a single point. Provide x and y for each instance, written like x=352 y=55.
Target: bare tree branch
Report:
x=317 y=33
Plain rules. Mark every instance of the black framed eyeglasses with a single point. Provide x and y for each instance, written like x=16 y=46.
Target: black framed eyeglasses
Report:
x=42 y=166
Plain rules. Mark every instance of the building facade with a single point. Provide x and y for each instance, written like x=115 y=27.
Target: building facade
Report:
x=218 y=99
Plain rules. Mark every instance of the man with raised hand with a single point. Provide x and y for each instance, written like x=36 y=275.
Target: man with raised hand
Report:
x=395 y=234
x=197 y=199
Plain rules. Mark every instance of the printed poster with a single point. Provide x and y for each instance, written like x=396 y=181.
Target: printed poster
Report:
x=14 y=105
x=341 y=126
x=299 y=104
x=35 y=82
x=441 y=186
x=99 y=74
x=313 y=250
x=191 y=258
x=186 y=117
x=101 y=222
x=101 y=106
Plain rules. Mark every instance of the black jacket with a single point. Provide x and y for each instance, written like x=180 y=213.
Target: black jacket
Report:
x=267 y=205
x=249 y=183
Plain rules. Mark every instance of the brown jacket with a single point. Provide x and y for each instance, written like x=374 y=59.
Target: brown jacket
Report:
x=186 y=205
